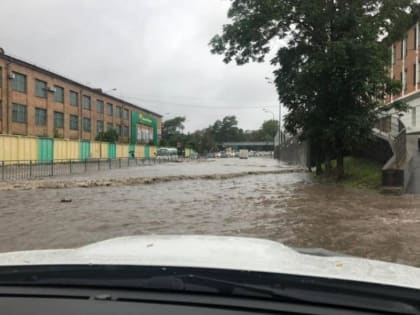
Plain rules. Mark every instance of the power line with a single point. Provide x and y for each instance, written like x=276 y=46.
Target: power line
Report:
x=196 y=105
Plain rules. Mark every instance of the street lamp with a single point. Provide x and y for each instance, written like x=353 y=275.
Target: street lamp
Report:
x=270 y=81
x=265 y=110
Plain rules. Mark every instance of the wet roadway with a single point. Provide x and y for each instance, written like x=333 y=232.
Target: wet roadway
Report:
x=285 y=207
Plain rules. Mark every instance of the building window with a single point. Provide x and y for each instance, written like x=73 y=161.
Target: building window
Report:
x=109 y=109
x=86 y=102
x=1 y=110
x=125 y=131
x=41 y=88
x=86 y=124
x=415 y=37
x=74 y=122
x=414 y=74
x=109 y=126
x=99 y=126
x=19 y=113
x=19 y=82
x=40 y=116
x=118 y=129
x=59 y=94
x=405 y=46
x=74 y=98
x=405 y=79
x=118 y=112
x=125 y=114
x=58 y=120
x=99 y=106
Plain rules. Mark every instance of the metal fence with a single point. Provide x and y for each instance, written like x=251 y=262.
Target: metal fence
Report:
x=18 y=170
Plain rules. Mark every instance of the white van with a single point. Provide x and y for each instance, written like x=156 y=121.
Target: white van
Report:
x=243 y=154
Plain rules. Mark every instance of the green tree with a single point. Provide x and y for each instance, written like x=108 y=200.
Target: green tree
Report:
x=268 y=130
x=172 y=131
x=332 y=71
x=110 y=135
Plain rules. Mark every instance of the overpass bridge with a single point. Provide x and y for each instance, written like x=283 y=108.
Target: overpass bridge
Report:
x=251 y=145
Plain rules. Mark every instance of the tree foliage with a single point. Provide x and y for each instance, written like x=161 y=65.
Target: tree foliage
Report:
x=332 y=71
x=211 y=139
x=172 y=131
x=110 y=135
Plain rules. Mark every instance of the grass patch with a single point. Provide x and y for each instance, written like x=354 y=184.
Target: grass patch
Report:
x=358 y=173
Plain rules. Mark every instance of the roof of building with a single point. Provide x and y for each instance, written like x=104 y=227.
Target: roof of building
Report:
x=61 y=77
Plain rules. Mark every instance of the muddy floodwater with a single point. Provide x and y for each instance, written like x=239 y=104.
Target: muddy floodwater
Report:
x=286 y=207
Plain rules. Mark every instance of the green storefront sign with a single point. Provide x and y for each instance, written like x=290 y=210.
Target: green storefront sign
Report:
x=144 y=120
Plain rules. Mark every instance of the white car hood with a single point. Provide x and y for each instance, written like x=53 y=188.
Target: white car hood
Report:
x=235 y=253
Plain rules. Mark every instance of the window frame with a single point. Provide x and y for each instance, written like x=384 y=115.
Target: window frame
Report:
x=110 y=106
x=71 y=92
x=58 y=116
x=15 y=82
x=38 y=120
x=73 y=119
x=119 y=111
x=126 y=113
x=43 y=89
x=87 y=120
x=101 y=103
x=25 y=113
x=98 y=123
x=125 y=131
x=56 y=99
x=87 y=105
x=109 y=126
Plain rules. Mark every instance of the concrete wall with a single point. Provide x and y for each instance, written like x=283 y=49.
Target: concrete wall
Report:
x=18 y=148
x=22 y=148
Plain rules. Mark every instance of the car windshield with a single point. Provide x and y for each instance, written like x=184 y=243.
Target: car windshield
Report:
x=287 y=121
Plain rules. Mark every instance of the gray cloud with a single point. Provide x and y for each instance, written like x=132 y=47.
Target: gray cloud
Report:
x=155 y=52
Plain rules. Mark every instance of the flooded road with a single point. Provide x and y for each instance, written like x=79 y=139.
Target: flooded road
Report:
x=285 y=207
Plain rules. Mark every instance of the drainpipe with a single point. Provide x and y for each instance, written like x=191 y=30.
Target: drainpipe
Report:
x=8 y=105
x=80 y=114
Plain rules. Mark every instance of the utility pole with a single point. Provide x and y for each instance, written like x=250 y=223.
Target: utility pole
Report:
x=270 y=81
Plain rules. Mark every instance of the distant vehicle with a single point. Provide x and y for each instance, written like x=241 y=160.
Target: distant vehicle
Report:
x=167 y=153
x=211 y=155
x=243 y=154
x=224 y=155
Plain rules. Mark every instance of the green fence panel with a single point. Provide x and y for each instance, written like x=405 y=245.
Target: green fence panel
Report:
x=112 y=151
x=45 y=149
x=147 y=151
x=84 y=150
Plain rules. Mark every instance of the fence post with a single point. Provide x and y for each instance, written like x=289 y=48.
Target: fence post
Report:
x=110 y=163
x=128 y=162
x=2 y=170
x=30 y=168
x=99 y=164
x=52 y=168
x=119 y=162
x=70 y=167
x=85 y=165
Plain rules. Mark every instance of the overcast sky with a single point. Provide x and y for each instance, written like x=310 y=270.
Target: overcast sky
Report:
x=155 y=52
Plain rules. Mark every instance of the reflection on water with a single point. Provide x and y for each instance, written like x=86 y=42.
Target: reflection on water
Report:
x=283 y=207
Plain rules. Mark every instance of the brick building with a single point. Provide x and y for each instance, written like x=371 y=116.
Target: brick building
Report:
x=38 y=102
x=405 y=68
